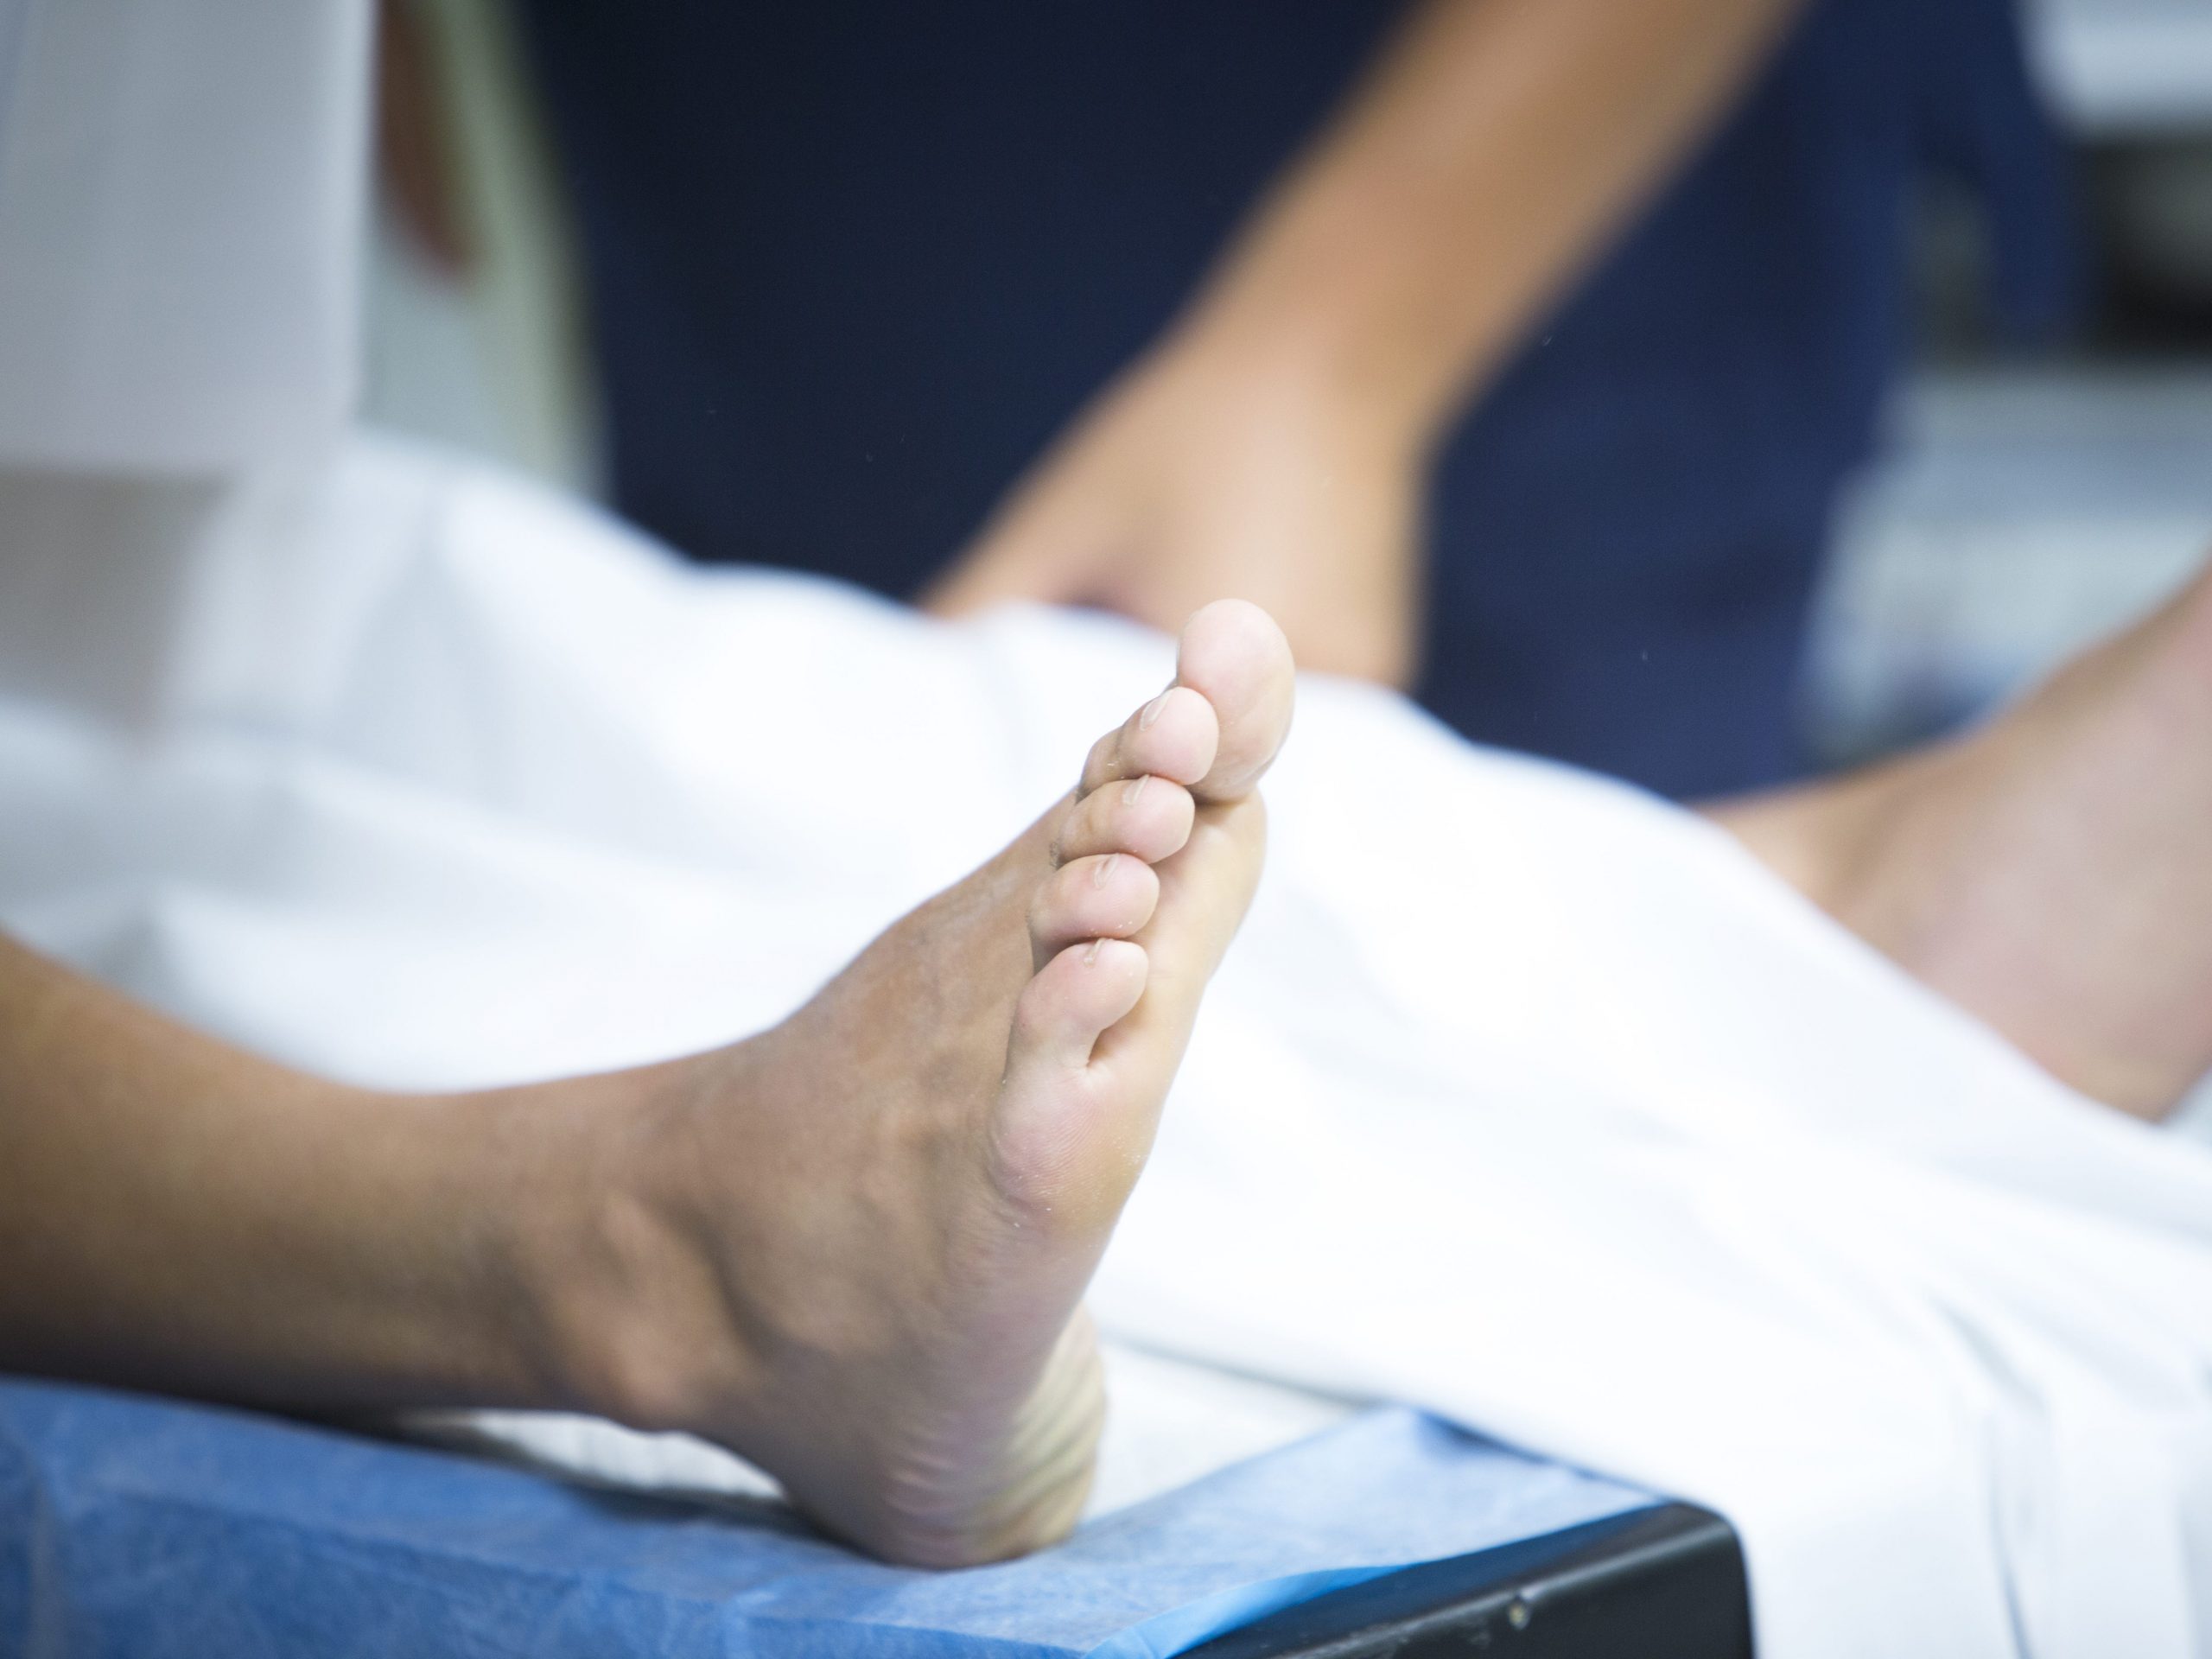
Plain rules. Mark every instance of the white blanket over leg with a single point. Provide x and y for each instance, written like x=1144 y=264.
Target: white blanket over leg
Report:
x=1523 y=1095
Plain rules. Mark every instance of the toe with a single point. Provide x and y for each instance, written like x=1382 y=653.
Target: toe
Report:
x=1175 y=736
x=1233 y=654
x=1146 y=816
x=1066 y=1148
x=1105 y=896
x=1084 y=990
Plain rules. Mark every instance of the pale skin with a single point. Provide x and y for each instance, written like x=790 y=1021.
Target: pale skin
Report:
x=1272 y=444
x=853 y=1247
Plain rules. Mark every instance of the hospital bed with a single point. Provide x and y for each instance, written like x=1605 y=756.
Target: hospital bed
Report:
x=150 y=1527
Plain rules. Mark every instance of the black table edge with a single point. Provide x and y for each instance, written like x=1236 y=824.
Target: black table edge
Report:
x=1660 y=1583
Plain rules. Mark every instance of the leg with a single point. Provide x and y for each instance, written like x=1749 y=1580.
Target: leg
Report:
x=2050 y=872
x=853 y=1247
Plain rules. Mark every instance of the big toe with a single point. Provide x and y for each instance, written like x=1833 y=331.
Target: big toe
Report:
x=1234 y=655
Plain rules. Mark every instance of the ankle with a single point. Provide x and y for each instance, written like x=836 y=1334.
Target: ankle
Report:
x=1823 y=838
x=622 y=1300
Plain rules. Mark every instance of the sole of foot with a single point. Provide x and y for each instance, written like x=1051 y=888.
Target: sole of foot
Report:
x=853 y=1247
x=2052 y=871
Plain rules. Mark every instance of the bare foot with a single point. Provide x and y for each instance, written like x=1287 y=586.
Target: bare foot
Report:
x=853 y=1247
x=2050 y=872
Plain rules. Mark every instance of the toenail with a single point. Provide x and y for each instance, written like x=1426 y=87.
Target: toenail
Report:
x=1131 y=789
x=1151 y=711
x=1098 y=870
x=1091 y=955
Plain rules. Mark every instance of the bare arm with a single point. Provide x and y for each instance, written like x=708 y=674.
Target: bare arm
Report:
x=1490 y=150
x=1271 y=444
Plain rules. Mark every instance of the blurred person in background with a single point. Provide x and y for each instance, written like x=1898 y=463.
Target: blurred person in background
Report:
x=1511 y=350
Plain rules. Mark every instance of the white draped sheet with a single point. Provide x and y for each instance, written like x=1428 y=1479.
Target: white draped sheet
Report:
x=1523 y=1095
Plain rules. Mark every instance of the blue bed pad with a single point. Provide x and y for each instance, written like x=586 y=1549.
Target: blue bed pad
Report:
x=131 y=1525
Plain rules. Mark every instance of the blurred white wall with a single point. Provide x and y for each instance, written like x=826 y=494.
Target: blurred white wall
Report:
x=2125 y=65
x=494 y=360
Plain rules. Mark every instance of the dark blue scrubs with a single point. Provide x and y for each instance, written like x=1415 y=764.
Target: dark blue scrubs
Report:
x=853 y=265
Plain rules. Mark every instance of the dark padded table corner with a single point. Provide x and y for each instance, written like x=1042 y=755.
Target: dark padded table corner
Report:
x=1666 y=1583
x=132 y=1525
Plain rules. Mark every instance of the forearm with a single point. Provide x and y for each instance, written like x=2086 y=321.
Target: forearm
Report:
x=176 y=1214
x=1486 y=156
